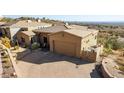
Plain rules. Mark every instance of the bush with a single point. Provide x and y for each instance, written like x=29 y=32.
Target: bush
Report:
x=35 y=46
x=121 y=67
x=6 y=42
x=5 y=19
x=121 y=45
x=108 y=50
x=113 y=43
x=120 y=60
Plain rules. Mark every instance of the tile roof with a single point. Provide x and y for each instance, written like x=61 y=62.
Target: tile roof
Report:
x=51 y=29
x=26 y=24
x=81 y=32
x=10 y=23
x=76 y=27
x=28 y=33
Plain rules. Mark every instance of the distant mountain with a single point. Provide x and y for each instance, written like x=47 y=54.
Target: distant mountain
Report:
x=97 y=23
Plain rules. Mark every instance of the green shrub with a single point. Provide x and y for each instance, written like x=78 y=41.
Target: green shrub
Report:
x=121 y=67
x=35 y=46
x=108 y=50
x=113 y=43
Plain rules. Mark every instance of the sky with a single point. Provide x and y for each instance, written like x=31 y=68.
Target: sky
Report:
x=82 y=18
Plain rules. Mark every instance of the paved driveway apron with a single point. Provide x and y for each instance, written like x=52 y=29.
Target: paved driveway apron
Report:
x=46 y=64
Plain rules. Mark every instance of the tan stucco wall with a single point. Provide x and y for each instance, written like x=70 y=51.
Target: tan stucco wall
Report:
x=27 y=38
x=65 y=37
x=89 y=56
x=93 y=55
x=88 y=41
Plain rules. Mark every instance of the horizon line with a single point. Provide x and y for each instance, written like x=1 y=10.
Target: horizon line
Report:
x=75 y=18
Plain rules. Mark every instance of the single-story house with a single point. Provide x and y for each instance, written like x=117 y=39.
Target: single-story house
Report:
x=71 y=40
x=26 y=38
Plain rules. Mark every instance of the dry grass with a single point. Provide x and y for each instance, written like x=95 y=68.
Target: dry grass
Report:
x=120 y=60
x=121 y=67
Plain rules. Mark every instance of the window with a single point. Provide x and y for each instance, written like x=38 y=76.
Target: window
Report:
x=33 y=39
x=95 y=37
x=83 y=48
x=5 y=31
x=24 y=29
x=62 y=34
x=93 y=51
x=45 y=39
x=87 y=41
x=22 y=40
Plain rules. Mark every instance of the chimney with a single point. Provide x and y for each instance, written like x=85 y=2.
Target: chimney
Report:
x=38 y=20
x=66 y=23
x=29 y=21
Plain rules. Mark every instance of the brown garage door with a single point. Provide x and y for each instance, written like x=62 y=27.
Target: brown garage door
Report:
x=66 y=48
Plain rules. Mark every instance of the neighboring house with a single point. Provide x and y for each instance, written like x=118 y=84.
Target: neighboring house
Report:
x=26 y=38
x=10 y=29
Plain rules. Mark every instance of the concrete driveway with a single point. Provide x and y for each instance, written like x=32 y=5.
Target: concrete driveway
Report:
x=45 y=64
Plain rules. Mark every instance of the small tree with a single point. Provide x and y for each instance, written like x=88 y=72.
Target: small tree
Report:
x=6 y=42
